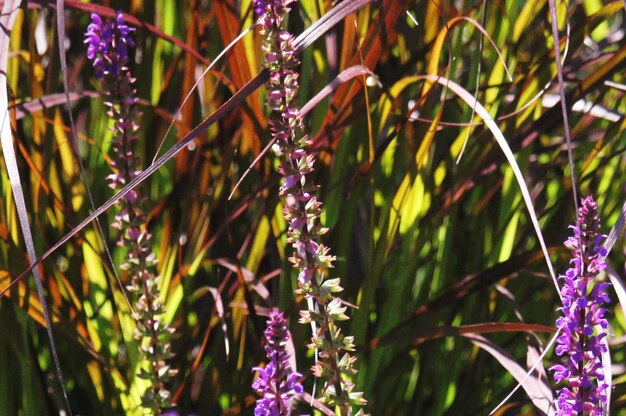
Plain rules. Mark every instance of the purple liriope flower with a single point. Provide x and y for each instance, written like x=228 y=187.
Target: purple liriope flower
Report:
x=277 y=382
x=302 y=211
x=107 y=48
x=581 y=341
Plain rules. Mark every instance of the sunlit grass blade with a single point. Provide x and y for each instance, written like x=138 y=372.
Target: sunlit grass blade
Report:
x=9 y=11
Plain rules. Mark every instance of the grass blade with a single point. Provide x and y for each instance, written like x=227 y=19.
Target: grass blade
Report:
x=7 y=19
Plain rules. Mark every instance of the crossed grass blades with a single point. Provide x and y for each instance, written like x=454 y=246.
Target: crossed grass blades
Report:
x=434 y=254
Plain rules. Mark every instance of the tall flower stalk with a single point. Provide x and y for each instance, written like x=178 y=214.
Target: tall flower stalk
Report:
x=108 y=44
x=302 y=211
x=583 y=325
x=277 y=382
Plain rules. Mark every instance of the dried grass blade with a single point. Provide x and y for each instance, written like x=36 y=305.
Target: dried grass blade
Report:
x=9 y=13
x=28 y=107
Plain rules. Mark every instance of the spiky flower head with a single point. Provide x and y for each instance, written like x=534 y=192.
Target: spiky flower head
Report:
x=107 y=44
x=277 y=382
x=582 y=325
x=302 y=211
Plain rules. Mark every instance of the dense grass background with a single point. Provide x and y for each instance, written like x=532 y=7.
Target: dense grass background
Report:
x=434 y=253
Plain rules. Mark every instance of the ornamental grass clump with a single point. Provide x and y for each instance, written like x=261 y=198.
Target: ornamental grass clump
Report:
x=277 y=382
x=583 y=326
x=108 y=44
x=302 y=211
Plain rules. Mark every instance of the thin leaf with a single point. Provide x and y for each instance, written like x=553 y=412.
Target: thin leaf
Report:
x=506 y=149
x=538 y=390
x=9 y=13
x=559 y=72
x=615 y=233
x=618 y=286
x=28 y=107
x=219 y=308
x=344 y=76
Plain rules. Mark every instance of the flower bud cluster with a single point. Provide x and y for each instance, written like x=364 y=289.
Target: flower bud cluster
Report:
x=582 y=325
x=302 y=211
x=108 y=44
x=277 y=382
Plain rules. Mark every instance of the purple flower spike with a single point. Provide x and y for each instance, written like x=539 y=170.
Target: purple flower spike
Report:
x=107 y=44
x=277 y=383
x=581 y=342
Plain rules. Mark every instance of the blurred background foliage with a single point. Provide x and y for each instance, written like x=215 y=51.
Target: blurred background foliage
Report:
x=432 y=252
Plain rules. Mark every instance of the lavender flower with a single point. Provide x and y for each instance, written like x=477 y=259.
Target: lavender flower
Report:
x=277 y=383
x=107 y=48
x=580 y=340
x=302 y=211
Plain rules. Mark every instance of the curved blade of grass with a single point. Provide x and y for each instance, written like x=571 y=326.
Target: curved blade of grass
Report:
x=327 y=22
x=346 y=75
x=559 y=72
x=463 y=94
x=615 y=233
x=482 y=113
x=9 y=13
x=219 y=308
x=200 y=78
x=538 y=391
x=343 y=106
x=618 y=286
x=421 y=335
x=460 y=290
x=434 y=61
x=315 y=31
x=28 y=107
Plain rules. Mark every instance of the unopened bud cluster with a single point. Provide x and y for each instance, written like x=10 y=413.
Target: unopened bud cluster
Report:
x=302 y=211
